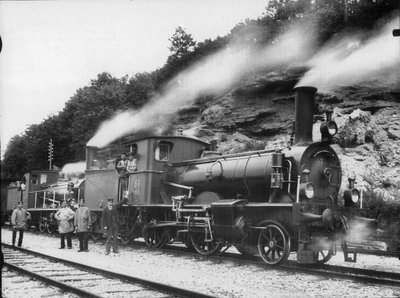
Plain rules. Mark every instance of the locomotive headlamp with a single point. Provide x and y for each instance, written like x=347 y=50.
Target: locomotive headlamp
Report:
x=355 y=195
x=351 y=197
x=332 y=128
x=307 y=190
x=328 y=130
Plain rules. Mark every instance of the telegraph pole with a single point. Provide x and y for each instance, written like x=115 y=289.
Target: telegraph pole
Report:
x=51 y=150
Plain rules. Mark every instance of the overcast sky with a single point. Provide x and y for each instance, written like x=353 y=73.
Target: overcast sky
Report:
x=52 y=48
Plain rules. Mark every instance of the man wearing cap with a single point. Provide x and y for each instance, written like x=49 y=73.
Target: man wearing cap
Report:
x=18 y=222
x=111 y=222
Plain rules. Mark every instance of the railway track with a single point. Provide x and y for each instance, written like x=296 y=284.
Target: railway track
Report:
x=326 y=270
x=83 y=280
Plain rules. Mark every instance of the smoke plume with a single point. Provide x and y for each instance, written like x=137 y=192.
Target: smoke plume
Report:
x=211 y=76
x=74 y=169
x=352 y=60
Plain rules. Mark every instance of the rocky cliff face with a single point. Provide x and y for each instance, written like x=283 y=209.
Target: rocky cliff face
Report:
x=260 y=113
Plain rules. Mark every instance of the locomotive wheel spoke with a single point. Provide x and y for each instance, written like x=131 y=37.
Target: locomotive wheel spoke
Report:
x=154 y=237
x=203 y=247
x=324 y=256
x=273 y=244
x=95 y=236
x=126 y=239
x=51 y=229
x=42 y=225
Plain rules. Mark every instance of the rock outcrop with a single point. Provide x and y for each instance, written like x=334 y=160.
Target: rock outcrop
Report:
x=260 y=113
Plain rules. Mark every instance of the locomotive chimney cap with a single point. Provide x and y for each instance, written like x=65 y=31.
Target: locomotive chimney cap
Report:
x=305 y=88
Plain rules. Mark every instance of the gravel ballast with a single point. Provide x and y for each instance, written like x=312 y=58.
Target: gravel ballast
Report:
x=220 y=279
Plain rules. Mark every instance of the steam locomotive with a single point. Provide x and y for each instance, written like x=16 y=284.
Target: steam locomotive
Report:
x=270 y=202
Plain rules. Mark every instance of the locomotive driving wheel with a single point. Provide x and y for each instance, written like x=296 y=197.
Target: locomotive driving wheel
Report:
x=51 y=224
x=42 y=224
x=126 y=239
x=203 y=246
x=324 y=256
x=51 y=228
x=154 y=237
x=274 y=244
x=95 y=236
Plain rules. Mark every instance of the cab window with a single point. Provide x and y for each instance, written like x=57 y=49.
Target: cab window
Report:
x=163 y=151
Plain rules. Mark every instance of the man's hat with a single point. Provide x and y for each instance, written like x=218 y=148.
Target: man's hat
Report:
x=131 y=154
x=110 y=200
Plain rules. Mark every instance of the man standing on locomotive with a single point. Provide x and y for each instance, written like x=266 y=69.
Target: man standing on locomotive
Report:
x=111 y=222
x=120 y=166
x=82 y=225
x=19 y=218
x=131 y=165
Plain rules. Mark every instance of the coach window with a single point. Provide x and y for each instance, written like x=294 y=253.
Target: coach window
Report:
x=34 y=179
x=163 y=151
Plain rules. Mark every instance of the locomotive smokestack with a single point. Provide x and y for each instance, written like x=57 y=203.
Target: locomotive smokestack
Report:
x=305 y=98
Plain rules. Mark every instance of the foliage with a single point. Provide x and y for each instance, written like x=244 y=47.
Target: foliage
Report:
x=181 y=43
x=71 y=128
x=376 y=204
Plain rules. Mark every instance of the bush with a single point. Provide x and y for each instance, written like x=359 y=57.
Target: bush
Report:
x=375 y=204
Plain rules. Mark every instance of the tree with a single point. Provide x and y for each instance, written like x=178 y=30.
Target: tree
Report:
x=140 y=88
x=14 y=163
x=181 y=43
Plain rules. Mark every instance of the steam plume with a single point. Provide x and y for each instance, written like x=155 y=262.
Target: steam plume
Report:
x=350 y=60
x=74 y=168
x=213 y=75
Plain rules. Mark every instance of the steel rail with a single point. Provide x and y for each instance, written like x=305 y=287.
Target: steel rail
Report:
x=334 y=271
x=326 y=270
x=135 y=280
x=64 y=287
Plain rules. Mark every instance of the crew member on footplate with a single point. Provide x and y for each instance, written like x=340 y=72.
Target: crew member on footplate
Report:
x=18 y=222
x=82 y=225
x=111 y=222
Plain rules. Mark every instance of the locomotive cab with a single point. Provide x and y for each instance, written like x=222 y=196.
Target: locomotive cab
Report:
x=145 y=185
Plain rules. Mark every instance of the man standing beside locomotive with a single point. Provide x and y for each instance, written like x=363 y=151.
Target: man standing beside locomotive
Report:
x=82 y=225
x=111 y=222
x=19 y=218
x=65 y=226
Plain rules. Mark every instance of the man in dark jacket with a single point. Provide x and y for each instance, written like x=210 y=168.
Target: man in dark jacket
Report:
x=111 y=222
